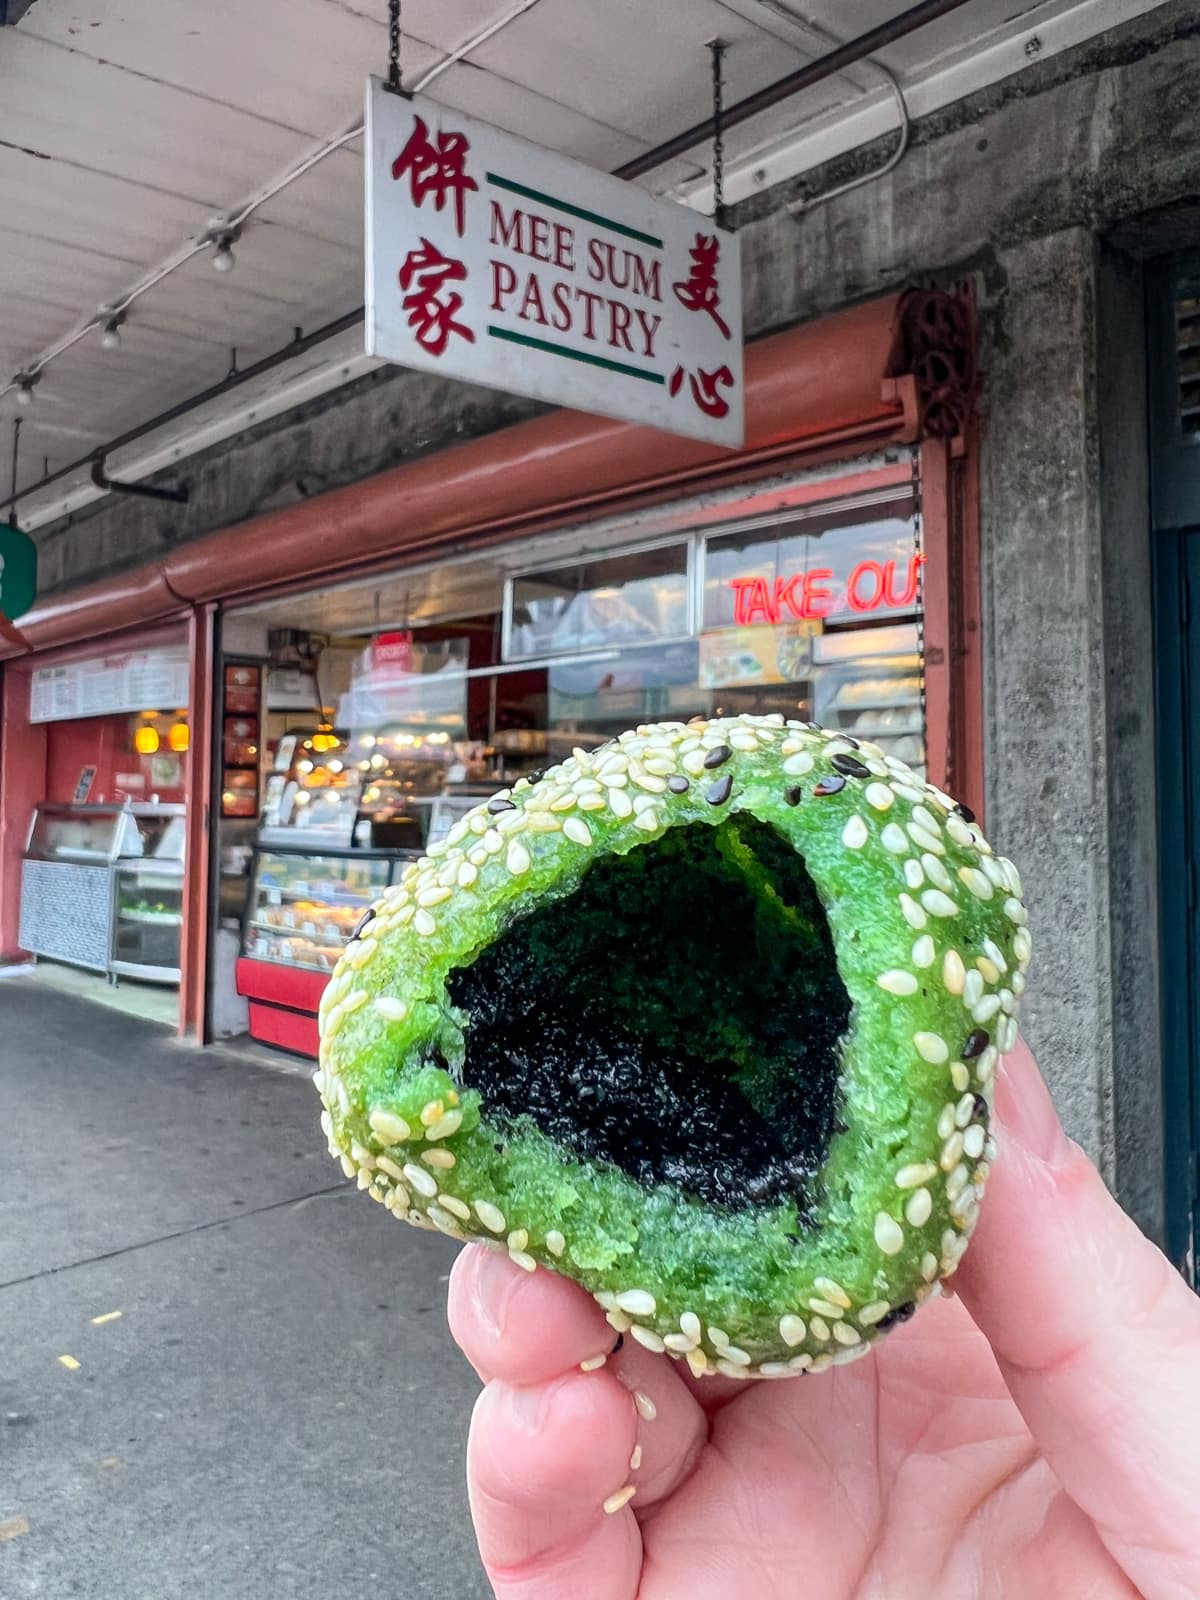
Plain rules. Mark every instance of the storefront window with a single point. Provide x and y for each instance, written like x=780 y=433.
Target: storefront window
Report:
x=389 y=708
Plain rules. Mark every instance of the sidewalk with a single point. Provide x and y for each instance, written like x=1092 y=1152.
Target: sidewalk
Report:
x=278 y=1408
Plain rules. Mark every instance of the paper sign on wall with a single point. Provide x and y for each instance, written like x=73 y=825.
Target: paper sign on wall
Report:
x=495 y=261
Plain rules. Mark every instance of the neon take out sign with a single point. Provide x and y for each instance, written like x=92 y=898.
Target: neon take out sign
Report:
x=813 y=595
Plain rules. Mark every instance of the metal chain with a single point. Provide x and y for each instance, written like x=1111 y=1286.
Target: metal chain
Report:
x=393 y=73
x=918 y=541
x=16 y=451
x=717 y=46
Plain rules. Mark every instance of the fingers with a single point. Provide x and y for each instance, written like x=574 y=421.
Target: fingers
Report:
x=1098 y=1338
x=521 y=1326
x=547 y=1465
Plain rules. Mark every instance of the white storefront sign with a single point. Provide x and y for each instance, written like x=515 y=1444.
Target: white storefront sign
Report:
x=140 y=680
x=492 y=260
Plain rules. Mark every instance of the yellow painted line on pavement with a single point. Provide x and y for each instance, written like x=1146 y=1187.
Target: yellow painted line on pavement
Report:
x=109 y=1316
x=13 y=1528
x=70 y=1363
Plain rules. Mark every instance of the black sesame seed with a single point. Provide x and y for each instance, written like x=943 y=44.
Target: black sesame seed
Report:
x=981 y=1109
x=535 y=777
x=717 y=793
x=899 y=1314
x=620 y=1344
x=850 y=765
x=678 y=784
x=497 y=805
x=364 y=921
x=965 y=812
x=815 y=727
x=718 y=757
x=977 y=1042
x=793 y=795
x=829 y=785
x=848 y=738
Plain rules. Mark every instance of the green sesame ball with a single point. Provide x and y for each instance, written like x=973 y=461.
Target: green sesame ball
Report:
x=707 y=1020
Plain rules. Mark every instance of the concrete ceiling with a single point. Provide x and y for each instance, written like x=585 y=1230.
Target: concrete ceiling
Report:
x=126 y=126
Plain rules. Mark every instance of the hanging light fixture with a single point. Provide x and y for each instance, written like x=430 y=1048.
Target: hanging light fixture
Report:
x=179 y=734
x=25 y=382
x=110 y=339
x=145 y=739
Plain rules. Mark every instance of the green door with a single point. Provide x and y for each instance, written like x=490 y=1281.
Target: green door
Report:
x=1174 y=322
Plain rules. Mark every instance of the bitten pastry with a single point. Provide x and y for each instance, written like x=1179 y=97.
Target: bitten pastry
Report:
x=706 y=1019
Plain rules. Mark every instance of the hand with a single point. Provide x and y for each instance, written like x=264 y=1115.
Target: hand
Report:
x=1039 y=1436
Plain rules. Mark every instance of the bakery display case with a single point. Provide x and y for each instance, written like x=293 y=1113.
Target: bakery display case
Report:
x=148 y=882
x=301 y=912
x=876 y=693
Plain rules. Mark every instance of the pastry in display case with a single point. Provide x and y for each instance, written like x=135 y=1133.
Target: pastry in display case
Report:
x=147 y=925
x=880 y=700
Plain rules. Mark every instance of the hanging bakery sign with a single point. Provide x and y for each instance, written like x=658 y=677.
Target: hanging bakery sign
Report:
x=495 y=261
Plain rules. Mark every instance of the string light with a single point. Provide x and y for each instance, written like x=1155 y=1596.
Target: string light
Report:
x=224 y=259
x=25 y=382
x=110 y=339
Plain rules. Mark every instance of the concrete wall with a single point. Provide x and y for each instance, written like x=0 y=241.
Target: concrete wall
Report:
x=1015 y=189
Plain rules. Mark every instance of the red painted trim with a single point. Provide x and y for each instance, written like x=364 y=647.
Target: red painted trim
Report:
x=194 y=955
x=935 y=531
x=808 y=390
x=286 y=1030
x=969 y=677
x=22 y=787
x=297 y=988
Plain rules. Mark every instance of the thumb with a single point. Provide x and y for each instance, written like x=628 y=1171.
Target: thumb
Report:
x=1097 y=1336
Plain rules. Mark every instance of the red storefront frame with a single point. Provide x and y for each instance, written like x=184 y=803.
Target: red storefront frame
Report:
x=898 y=370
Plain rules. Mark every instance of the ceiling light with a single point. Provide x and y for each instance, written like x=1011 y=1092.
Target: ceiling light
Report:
x=25 y=382
x=224 y=259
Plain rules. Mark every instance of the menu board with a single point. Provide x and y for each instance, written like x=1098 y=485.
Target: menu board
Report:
x=139 y=680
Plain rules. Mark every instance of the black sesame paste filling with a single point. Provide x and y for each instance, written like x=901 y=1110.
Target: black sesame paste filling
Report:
x=678 y=1016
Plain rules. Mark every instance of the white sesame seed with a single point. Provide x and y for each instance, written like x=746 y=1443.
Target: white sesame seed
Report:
x=697 y=1360
x=620 y=1320
x=909 y=791
x=730 y=1368
x=958 y=831
x=647 y=1338
x=918 y=1208
x=995 y=955
x=889 y=1235
x=433 y=1111
x=737 y=1356
x=845 y=1334
x=639 y=1302
x=833 y=1291
x=973 y=1140
x=434 y=896
x=591 y=802
x=1016 y=912
x=555 y=1242
x=648 y=781
x=956 y=1182
x=679 y=1342
x=938 y=904
x=912 y=912
x=456 y=1207
x=741 y=739
x=976 y=882
x=420 y=1180
x=543 y=822
x=1008 y=1002
x=364 y=1178
x=964 y=1111
x=877 y=795
x=1012 y=876
x=986 y=1009
x=522 y=1259
x=646 y=1409
x=718 y=1336
x=951 y=1151
x=929 y=1266
x=926 y=841
x=931 y=1047
x=1006 y=1034
x=822 y=1308
x=1018 y=983
x=445 y=1159
x=647 y=821
x=924 y=952
x=954 y=973
x=897 y=982
x=518 y=1239
x=491 y=1216
x=593 y=1363
x=854 y=834
x=792 y=1329
x=774 y=1369
x=635 y=1459
x=510 y=822
x=959 y=1076
x=445 y=1126
x=914 y=873
x=894 y=839
x=424 y=924
x=352 y=1002
x=873 y=1313
x=577 y=830
x=518 y=859
x=801 y=1363
x=989 y=970
x=915 y=1174
x=389 y=1126
x=924 y=818
x=945 y=1121
x=936 y=872
x=972 y=988
x=620 y=804
x=1022 y=945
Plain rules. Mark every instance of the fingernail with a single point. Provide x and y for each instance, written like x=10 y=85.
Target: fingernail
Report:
x=496 y=1281
x=1025 y=1110
x=528 y=1407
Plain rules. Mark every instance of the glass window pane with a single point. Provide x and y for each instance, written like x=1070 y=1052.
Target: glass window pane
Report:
x=637 y=596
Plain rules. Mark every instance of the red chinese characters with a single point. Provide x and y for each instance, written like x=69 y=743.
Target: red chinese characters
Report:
x=700 y=290
x=706 y=388
x=438 y=168
x=430 y=304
